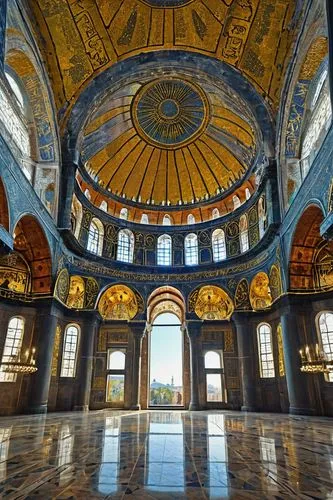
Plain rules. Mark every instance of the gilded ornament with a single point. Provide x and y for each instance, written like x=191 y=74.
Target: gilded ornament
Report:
x=75 y=299
x=275 y=282
x=242 y=295
x=260 y=294
x=61 y=288
x=213 y=303
x=14 y=274
x=118 y=303
x=92 y=289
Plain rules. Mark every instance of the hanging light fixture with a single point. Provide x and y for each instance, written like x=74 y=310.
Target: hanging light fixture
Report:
x=314 y=360
x=15 y=365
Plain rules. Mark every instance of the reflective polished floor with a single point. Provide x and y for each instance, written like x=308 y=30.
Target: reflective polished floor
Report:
x=155 y=455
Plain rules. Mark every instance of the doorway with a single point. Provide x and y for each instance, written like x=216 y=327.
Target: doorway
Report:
x=166 y=362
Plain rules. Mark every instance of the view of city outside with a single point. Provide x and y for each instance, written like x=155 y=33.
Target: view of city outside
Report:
x=214 y=387
x=166 y=362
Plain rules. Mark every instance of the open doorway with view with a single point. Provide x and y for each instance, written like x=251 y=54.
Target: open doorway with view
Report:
x=166 y=361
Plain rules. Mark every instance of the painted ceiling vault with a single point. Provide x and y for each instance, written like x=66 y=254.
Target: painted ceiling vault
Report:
x=81 y=38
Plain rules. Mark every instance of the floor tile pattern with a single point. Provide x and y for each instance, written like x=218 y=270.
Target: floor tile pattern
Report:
x=165 y=455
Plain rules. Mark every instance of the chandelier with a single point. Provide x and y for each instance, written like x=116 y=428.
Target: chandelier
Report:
x=16 y=365
x=314 y=360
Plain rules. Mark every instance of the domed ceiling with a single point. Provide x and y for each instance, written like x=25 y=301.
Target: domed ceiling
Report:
x=170 y=139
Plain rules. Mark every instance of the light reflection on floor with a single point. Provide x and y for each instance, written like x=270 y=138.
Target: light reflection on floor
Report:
x=165 y=454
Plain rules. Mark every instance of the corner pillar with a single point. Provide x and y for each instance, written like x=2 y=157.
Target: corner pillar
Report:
x=43 y=340
x=244 y=329
x=88 y=335
x=67 y=185
x=137 y=329
x=297 y=383
x=194 y=334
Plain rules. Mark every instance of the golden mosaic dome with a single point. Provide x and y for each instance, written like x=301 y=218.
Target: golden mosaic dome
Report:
x=171 y=141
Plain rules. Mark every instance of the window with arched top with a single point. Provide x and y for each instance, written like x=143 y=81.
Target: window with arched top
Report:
x=244 y=233
x=265 y=351
x=115 y=378
x=95 y=237
x=70 y=350
x=103 y=206
x=87 y=194
x=123 y=213
x=144 y=219
x=261 y=216
x=191 y=250
x=215 y=379
x=325 y=334
x=125 y=249
x=190 y=219
x=317 y=124
x=212 y=359
x=215 y=213
x=247 y=194
x=164 y=250
x=167 y=221
x=218 y=245
x=13 y=346
x=16 y=89
x=236 y=201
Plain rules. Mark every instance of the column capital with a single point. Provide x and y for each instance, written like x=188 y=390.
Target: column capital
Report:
x=242 y=318
x=137 y=328
x=193 y=328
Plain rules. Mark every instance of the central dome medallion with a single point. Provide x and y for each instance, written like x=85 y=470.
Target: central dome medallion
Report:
x=170 y=113
x=167 y=3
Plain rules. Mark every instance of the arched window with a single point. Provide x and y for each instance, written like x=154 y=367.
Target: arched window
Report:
x=115 y=379
x=190 y=219
x=87 y=194
x=144 y=219
x=243 y=233
x=215 y=213
x=261 y=216
x=167 y=221
x=95 y=237
x=236 y=201
x=215 y=380
x=69 y=353
x=247 y=194
x=13 y=346
x=317 y=124
x=265 y=351
x=16 y=89
x=219 y=246
x=191 y=250
x=123 y=213
x=325 y=333
x=164 y=250
x=103 y=206
x=125 y=250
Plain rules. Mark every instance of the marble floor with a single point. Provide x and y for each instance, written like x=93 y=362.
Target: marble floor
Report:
x=157 y=455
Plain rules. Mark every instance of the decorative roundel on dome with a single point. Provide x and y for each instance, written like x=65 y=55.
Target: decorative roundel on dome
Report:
x=170 y=113
x=167 y=3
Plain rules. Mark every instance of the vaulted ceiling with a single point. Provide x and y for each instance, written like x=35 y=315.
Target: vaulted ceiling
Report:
x=81 y=38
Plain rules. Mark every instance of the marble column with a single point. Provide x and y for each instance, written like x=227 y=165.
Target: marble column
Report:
x=3 y=20
x=67 y=184
x=297 y=383
x=43 y=339
x=194 y=333
x=137 y=329
x=246 y=355
x=85 y=369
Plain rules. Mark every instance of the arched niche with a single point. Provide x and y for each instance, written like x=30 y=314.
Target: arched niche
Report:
x=310 y=255
x=211 y=302
x=165 y=299
x=118 y=302
x=260 y=293
x=30 y=241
